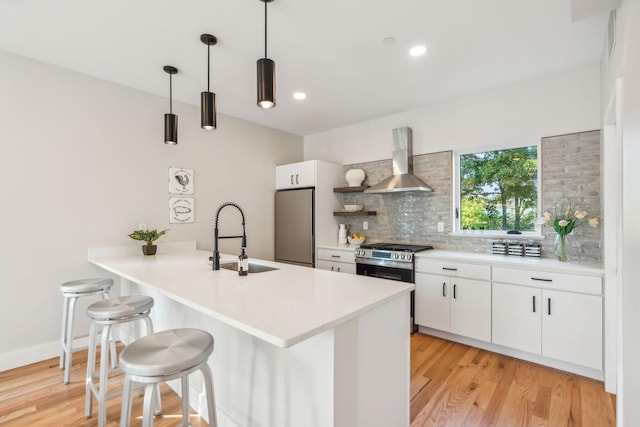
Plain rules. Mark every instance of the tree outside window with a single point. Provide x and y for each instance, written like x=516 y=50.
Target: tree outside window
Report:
x=499 y=189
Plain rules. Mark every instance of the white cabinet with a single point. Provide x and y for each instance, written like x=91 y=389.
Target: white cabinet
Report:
x=296 y=175
x=460 y=305
x=550 y=318
x=338 y=260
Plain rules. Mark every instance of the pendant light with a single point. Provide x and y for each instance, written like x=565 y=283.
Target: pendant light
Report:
x=170 y=120
x=208 y=99
x=266 y=73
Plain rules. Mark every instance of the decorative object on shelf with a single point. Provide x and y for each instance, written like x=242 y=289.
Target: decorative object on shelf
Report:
x=170 y=120
x=532 y=250
x=355 y=239
x=181 y=181
x=499 y=248
x=353 y=208
x=342 y=233
x=148 y=236
x=181 y=210
x=516 y=249
x=354 y=177
x=565 y=218
x=266 y=73
x=208 y=98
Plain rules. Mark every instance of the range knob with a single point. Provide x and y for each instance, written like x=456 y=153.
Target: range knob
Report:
x=396 y=256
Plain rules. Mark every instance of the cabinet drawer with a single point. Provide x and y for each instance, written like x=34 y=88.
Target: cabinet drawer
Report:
x=340 y=267
x=549 y=280
x=454 y=269
x=338 y=255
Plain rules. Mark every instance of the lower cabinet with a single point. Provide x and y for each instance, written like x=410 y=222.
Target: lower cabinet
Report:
x=458 y=305
x=563 y=325
x=339 y=260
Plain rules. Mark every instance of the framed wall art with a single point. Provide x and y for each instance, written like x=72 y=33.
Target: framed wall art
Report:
x=181 y=210
x=181 y=181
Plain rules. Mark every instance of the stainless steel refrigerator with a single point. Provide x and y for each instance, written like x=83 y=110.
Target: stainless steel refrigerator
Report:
x=295 y=236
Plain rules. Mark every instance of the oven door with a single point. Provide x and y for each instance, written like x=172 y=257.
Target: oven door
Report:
x=385 y=271
x=392 y=271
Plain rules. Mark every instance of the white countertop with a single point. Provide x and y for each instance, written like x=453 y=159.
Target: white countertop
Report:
x=514 y=261
x=498 y=260
x=282 y=307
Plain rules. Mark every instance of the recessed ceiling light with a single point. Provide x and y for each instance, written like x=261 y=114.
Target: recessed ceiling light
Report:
x=389 y=40
x=418 y=50
x=299 y=95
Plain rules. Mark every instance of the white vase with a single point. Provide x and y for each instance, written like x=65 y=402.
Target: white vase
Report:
x=354 y=177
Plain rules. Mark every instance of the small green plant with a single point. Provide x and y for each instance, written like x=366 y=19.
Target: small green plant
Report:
x=148 y=236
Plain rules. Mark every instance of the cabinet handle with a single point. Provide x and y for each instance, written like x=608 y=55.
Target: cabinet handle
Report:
x=291 y=179
x=549 y=306
x=449 y=269
x=335 y=256
x=541 y=280
x=297 y=179
x=454 y=291
x=444 y=287
x=534 y=303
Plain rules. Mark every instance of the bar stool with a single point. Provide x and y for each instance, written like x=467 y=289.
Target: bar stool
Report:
x=71 y=291
x=165 y=356
x=107 y=313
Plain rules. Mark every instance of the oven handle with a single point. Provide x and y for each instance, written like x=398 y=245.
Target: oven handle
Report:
x=385 y=263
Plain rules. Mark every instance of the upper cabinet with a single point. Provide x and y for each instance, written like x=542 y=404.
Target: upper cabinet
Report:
x=296 y=175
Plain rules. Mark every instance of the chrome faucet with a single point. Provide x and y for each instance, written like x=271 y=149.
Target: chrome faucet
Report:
x=216 y=253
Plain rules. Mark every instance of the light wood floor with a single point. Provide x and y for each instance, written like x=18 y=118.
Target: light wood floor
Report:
x=457 y=385
x=35 y=396
x=451 y=385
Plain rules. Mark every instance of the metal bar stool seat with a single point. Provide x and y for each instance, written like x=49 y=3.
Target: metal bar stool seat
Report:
x=106 y=314
x=165 y=356
x=71 y=291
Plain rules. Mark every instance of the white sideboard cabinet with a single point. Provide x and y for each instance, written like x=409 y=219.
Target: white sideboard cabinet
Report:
x=338 y=260
x=553 y=314
x=454 y=297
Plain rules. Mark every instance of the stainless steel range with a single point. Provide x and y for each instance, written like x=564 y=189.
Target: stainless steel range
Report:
x=393 y=261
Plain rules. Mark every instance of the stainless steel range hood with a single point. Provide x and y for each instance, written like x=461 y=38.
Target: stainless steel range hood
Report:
x=402 y=179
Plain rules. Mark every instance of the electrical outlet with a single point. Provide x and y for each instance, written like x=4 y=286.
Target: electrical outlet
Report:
x=440 y=227
x=365 y=225
x=142 y=226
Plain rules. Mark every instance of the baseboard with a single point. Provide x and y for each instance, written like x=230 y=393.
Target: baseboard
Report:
x=37 y=353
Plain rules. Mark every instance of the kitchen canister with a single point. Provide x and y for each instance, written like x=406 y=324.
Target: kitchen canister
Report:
x=354 y=177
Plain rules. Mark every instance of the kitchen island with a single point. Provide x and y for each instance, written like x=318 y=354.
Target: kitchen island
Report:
x=294 y=346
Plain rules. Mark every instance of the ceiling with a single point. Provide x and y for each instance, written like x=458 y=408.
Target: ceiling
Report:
x=332 y=49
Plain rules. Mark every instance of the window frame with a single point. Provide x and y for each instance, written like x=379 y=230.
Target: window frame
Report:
x=535 y=234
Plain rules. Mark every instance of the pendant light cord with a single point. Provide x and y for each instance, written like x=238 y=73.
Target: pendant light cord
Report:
x=170 y=95
x=265 y=29
x=208 y=65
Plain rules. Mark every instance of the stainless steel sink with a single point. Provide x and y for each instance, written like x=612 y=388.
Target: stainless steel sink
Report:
x=253 y=268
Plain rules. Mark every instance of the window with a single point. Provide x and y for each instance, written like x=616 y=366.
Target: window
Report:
x=498 y=190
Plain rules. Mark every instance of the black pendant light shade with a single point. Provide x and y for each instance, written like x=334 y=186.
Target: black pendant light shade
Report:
x=208 y=98
x=170 y=120
x=170 y=129
x=266 y=73
x=266 y=83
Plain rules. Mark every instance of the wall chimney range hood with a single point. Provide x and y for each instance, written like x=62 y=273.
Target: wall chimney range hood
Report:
x=402 y=179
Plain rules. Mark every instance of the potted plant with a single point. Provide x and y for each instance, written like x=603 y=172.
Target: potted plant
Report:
x=148 y=236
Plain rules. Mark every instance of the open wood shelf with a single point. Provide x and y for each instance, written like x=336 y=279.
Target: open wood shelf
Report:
x=350 y=189
x=356 y=213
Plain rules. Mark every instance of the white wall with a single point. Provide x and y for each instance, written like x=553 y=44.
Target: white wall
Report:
x=625 y=65
x=554 y=105
x=84 y=163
